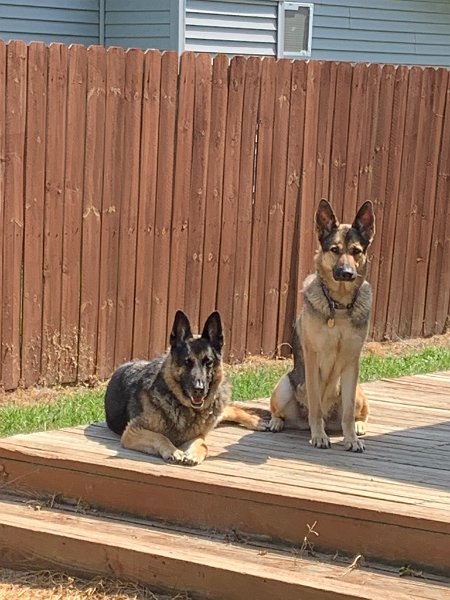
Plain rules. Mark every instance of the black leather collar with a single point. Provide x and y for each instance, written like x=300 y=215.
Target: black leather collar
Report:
x=334 y=304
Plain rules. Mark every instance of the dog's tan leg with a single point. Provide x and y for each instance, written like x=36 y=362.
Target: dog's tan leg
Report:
x=319 y=438
x=136 y=437
x=282 y=404
x=361 y=411
x=349 y=379
x=196 y=450
x=245 y=417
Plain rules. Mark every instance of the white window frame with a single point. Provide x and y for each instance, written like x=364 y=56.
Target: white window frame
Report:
x=282 y=7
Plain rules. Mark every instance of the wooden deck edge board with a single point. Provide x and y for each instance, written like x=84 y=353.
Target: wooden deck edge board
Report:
x=184 y=479
x=299 y=475
x=175 y=561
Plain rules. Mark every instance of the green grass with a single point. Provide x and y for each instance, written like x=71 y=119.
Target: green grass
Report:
x=256 y=381
x=426 y=360
x=68 y=410
x=253 y=381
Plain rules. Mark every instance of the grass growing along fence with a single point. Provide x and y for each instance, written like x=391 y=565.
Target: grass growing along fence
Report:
x=426 y=360
x=248 y=382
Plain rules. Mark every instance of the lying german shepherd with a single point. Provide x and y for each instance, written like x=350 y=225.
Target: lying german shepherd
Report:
x=329 y=336
x=167 y=406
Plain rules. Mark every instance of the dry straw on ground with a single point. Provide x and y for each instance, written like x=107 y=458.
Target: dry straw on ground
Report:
x=48 y=585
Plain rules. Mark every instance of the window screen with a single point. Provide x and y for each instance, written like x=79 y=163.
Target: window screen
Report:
x=296 y=29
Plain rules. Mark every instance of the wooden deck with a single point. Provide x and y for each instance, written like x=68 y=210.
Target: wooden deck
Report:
x=390 y=504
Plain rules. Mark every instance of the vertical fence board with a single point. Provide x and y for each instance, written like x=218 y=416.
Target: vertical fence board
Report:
x=3 y=51
x=437 y=306
x=147 y=203
x=260 y=218
x=129 y=206
x=245 y=206
x=73 y=205
x=357 y=124
x=113 y=174
x=413 y=251
x=404 y=175
x=308 y=203
x=326 y=100
x=435 y=91
x=289 y=251
x=386 y=234
x=181 y=218
x=160 y=319
x=197 y=195
x=340 y=148
x=378 y=184
x=34 y=213
x=54 y=211
x=369 y=134
x=214 y=186
x=276 y=207
x=92 y=207
x=230 y=195
x=416 y=135
x=368 y=157
x=16 y=80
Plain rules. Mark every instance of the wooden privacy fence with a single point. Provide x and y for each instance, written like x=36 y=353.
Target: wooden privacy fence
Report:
x=133 y=184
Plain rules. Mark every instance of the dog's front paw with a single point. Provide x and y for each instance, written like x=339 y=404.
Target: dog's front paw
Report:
x=354 y=445
x=178 y=457
x=193 y=458
x=276 y=424
x=320 y=441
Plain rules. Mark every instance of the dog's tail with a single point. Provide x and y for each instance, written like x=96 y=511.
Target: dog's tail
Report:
x=251 y=415
x=254 y=408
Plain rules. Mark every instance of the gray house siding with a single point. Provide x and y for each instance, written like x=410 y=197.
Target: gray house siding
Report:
x=142 y=24
x=68 y=21
x=386 y=31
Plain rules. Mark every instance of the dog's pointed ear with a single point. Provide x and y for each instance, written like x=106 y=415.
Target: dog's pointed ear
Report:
x=325 y=219
x=365 y=222
x=212 y=331
x=181 y=329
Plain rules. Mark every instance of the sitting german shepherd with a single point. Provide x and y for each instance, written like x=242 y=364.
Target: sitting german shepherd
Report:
x=329 y=335
x=166 y=406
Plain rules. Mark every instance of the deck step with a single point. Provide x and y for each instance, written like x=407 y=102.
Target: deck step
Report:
x=383 y=519
x=180 y=560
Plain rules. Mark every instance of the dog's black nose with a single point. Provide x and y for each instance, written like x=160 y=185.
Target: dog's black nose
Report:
x=344 y=273
x=199 y=385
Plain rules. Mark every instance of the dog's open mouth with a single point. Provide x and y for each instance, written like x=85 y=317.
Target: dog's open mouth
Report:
x=197 y=399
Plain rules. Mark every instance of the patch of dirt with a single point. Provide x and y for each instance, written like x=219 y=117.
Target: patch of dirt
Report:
x=392 y=348
x=400 y=347
x=45 y=395
x=48 y=585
